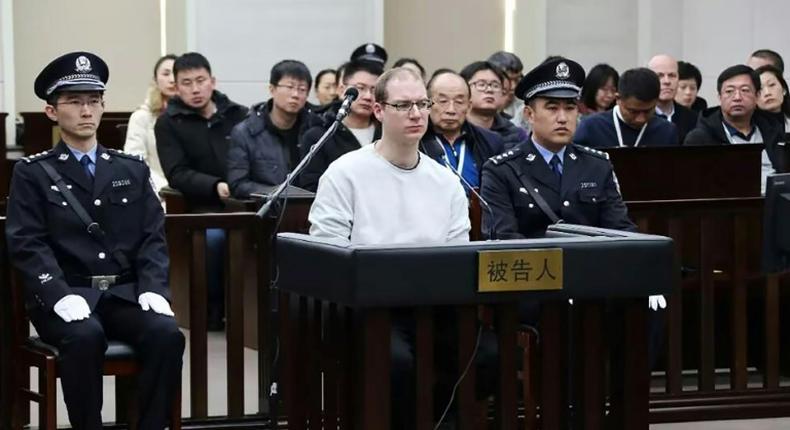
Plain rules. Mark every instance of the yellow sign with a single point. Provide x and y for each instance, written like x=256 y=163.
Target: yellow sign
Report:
x=522 y=270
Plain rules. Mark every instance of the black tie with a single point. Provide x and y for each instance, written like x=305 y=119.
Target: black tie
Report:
x=555 y=164
x=86 y=165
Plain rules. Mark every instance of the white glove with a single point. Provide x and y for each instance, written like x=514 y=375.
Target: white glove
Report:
x=156 y=303
x=72 y=308
x=655 y=302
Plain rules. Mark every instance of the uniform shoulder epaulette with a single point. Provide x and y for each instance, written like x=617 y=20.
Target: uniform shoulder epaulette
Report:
x=37 y=157
x=507 y=155
x=592 y=151
x=120 y=153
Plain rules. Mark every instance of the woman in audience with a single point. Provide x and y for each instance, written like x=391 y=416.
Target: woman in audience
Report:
x=773 y=96
x=140 y=139
x=326 y=86
x=599 y=90
x=689 y=82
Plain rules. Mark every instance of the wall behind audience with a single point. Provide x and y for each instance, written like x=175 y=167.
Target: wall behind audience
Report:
x=443 y=33
x=124 y=33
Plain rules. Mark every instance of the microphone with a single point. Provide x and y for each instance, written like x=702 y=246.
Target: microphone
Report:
x=348 y=98
x=483 y=202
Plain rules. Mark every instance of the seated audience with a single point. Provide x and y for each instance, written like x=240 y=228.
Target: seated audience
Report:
x=773 y=94
x=513 y=106
x=450 y=137
x=632 y=122
x=326 y=86
x=761 y=57
x=358 y=129
x=487 y=82
x=689 y=83
x=599 y=90
x=140 y=137
x=264 y=147
x=666 y=67
x=738 y=120
x=411 y=63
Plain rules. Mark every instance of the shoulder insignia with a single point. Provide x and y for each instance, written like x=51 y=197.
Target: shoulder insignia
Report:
x=120 y=153
x=39 y=156
x=591 y=151
x=505 y=156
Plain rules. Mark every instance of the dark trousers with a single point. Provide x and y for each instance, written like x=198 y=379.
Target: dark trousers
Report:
x=155 y=338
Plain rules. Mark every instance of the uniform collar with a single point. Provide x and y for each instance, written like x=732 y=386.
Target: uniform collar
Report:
x=79 y=154
x=546 y=154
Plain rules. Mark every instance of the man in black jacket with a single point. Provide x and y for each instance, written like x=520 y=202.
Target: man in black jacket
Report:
x=265 y=147
x=358 y=129
x=451 y=139
x=192 y=137
x=738 y=120
x=666 y=67
x=193 y=134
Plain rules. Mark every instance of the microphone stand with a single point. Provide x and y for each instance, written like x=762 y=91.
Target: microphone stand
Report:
x=274 y=297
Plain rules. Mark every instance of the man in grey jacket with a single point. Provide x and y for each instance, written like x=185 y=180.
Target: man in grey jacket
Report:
x=264 y=147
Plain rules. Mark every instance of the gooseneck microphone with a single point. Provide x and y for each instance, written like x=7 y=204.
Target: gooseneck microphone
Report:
x=483 y=202
x=348 y=98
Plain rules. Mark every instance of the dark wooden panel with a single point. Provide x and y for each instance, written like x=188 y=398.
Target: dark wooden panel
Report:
x=41 y=133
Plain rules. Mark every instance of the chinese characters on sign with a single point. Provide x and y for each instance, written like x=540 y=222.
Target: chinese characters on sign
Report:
x=524 y=270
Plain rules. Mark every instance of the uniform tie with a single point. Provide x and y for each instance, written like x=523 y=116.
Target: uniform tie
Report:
x=556 y=166
x=86 y=165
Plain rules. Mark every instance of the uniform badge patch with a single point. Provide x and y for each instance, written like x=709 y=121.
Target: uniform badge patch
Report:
x=63 y=157
x=83 y=64
x=531 y=157
x=105 y=156
x=563 y=71
x=584 y=185
x=573 y=156
x=44 y=278
x=121 y=183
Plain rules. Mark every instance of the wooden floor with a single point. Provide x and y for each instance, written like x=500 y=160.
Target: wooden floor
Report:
x=218 y=404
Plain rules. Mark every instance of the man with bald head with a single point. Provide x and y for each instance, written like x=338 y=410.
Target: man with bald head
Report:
x=666 y=67
x=451 y=139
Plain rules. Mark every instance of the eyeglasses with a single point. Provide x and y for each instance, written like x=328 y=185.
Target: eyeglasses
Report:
x=299 y=90
x=485 y=85
x=93 y=103
x=745 y=91
x=445 y=103
x=406 y=106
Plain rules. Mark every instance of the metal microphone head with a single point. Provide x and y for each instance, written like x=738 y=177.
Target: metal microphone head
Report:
x=351 y=94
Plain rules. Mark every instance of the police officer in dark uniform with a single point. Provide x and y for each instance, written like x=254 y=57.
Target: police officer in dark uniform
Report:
x=576 y=183
x=86 y=232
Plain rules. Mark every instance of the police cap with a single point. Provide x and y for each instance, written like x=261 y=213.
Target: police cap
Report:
x=75 y=71
x=370 y=52
x=556 y=78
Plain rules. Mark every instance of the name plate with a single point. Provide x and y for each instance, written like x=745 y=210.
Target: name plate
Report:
x=522 y=270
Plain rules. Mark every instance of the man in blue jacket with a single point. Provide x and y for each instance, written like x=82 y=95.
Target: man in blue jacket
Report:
x=632 y=122
x=265 y=147
x=451 y=139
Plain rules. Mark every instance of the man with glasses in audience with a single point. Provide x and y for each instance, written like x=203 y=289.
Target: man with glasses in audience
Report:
x=451 y=139
x=738 y=120
x=265 y=147
x=513 y=106
x=357 y=130
x=487 y=83
x=388 y=193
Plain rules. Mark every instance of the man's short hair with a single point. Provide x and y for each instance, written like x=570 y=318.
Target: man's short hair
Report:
x=292 y=68
x=737 y=70
x=479 y=66
x=403 y=61
x=190 y=61
x=446 y=71
x=506 y=61
x=353 y=67
x=641 y=83
x=689 y=71
x=771 y=56
x=380 y=91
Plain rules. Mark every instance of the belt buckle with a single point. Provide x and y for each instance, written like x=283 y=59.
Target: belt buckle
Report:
x=102 y=283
